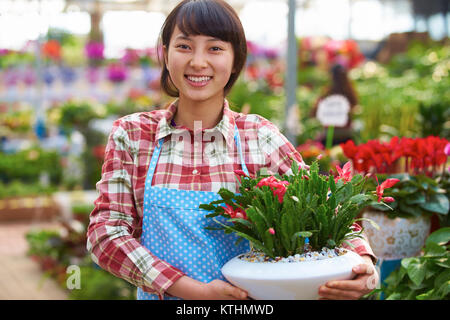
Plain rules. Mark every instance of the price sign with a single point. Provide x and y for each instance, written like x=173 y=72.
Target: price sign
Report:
x=333 y=111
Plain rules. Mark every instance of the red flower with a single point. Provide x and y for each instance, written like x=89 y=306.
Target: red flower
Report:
x=388 y=199
x=52 y=49
x=271 y=231
x=278 y=187
x=388 y=183
x=235 y=213
x=240 y=174
x=345 y=173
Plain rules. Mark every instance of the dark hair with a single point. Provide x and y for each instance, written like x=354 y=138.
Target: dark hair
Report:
x=214 y=18
x=342 y=85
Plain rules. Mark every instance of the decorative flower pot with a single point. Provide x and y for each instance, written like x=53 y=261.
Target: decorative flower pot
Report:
x=397 y=238
x=298 y=280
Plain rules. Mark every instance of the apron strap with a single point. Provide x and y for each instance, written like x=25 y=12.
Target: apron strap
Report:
x=157 y=152
x=237 y=138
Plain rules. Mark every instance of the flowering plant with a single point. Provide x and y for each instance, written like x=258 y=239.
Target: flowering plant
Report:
x=116 y=72
x=277 y=213
x=94 y=51
x=416 y=163
x=405 y=155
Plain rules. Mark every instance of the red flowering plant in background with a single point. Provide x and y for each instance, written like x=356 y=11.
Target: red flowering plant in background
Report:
x=277 y=213
x=51 y=50
x=419 y=166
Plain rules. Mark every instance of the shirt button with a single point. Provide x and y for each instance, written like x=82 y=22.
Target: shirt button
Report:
x=195 y=171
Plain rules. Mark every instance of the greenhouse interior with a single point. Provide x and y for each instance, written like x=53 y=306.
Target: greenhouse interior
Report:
x=70 y=68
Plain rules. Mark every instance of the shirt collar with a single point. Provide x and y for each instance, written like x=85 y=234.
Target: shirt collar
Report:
x=225 y=126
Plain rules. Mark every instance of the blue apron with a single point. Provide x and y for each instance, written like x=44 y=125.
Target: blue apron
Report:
x=173 y=229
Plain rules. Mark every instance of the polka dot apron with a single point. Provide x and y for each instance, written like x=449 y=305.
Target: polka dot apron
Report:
x=174 y=229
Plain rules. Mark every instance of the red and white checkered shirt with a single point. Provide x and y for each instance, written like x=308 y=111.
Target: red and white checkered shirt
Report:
x=201 y=160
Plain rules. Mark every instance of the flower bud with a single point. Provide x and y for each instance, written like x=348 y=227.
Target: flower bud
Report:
x=271 y=231
x=388 y=199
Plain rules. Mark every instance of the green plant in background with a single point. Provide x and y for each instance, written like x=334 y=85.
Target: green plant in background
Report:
x=16 y=188
x=444 y=183
x=435 y=119
x=29 y=165
x=426 y=277
x=276 y=213
x=97 y=284
x=77 y=114
x=390 y=95
x=261 y=100
x=416 y=195
x=46 y=243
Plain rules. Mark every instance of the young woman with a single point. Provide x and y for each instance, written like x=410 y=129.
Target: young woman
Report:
x=161 y=165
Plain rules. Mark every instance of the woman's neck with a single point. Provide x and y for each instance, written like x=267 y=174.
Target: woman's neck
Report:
x=209 y=113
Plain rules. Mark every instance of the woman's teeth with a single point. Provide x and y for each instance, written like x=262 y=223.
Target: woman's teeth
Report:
x=199 y=79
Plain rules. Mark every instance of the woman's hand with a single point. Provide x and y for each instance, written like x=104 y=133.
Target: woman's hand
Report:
x=191 y=289
x=221 y=290
x=365 y=281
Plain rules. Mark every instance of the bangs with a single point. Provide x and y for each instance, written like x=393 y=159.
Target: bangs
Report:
x=207 y=18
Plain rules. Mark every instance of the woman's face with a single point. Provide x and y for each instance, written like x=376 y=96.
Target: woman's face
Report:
x=199 y=66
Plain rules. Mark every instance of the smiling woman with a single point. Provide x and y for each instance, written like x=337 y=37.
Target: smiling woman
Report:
x=212 y=21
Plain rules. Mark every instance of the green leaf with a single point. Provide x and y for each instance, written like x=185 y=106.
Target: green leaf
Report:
x=207 y=207
x=443 y=291
x=373 y=223
x=444 y=263
x=412 y=210
x=434 y=250
x=294 y=167
x=416 y=198
x=331 y=243
x=426 y=296
x=226 y=194
x=359 y=198
x=394 y=296
x=416 y=271
x=437 y=203
x=440 y=236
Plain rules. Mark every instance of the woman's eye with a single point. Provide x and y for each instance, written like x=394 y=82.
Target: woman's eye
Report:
x=183 y=46
x=216 y=49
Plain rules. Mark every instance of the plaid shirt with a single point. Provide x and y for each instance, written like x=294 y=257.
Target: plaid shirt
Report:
x=199 y=159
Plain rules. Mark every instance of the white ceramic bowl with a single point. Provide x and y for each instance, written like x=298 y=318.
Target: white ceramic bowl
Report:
x=289 y=280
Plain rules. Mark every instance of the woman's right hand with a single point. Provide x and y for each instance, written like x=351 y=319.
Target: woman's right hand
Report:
x=221 y=290
x=191 y=289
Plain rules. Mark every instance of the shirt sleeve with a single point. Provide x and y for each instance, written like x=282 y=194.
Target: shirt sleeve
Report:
x=361 y=246
x=110 y=238
x=278 y=150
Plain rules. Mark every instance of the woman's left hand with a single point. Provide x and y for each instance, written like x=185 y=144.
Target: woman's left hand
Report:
x=365 y=281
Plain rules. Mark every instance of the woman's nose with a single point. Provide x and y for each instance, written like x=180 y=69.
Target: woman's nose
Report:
x=198 y=60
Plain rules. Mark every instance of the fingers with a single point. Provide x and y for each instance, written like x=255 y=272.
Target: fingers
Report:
x=235 y=292
x=337 y=294
x=346 y=289
x=358 y=284
x=363 y=268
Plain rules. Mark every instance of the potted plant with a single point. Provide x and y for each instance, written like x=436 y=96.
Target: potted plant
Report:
x=426 y=277
x=418 y=164
x=297 y=226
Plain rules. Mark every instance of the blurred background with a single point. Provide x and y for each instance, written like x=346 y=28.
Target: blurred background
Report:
x=69 y=68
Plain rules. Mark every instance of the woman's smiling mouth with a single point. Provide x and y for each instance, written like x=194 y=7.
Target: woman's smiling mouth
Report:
x=198 y=81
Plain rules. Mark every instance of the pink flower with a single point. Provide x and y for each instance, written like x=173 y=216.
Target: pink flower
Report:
x=235 y=213
x=345 y=173
x=278 y=187
x=388 y=183
x=388 y=199
x=447 y=149
x=271 y=231
x=240 y=174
